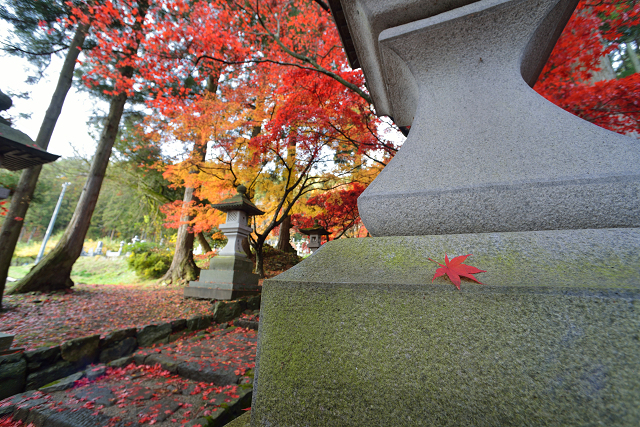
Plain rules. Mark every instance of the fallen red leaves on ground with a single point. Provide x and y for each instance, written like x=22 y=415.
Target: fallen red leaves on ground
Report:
x=50 y=319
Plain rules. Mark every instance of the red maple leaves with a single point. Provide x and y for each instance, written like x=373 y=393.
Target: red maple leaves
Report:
x=455 y=269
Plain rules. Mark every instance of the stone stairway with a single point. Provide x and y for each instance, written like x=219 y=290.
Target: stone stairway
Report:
x=203 y=380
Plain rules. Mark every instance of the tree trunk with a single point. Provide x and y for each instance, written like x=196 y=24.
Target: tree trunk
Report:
x=633 y=57
x=183 y=267
x=203 y=242
x=54 y=270
x=22 y=197
x=33 y=231
x=284 y=237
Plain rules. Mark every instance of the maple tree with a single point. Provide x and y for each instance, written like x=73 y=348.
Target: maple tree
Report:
x=455 y=269
x=282 y=159
x=336 y=211
x=268 y=125
x=596 y=29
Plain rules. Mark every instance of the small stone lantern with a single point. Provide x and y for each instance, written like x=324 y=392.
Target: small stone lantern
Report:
x=315 y=234
x=230 y=274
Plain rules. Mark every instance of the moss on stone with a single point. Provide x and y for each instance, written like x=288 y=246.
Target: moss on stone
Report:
x=375 y=343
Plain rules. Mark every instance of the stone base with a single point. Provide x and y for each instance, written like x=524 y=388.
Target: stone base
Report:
x=357 y=334
x=217 y=293
x=228 y=278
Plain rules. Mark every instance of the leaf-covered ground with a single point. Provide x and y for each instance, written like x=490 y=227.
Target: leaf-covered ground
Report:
x=50 y=319
x=148 y=394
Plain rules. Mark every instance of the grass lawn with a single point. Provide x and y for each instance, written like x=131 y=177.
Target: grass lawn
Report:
x=95 y=271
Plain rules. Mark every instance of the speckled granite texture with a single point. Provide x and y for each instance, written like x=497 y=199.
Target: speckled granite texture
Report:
x=486 y=153
x=357 y=335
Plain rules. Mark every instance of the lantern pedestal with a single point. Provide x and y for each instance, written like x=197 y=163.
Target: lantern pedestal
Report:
x=228 y=278
x=358 y=335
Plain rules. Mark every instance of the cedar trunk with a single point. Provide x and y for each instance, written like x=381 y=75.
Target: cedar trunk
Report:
x=54 y=270
x=21 y=199
x=183 y=267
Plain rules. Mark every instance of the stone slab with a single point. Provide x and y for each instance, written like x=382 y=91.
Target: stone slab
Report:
x=230 y=263
x=94 y=372
x=241 y=421
x=42 y=357
x=121 y=363
x=198 y=323
x=13 y=374
x=5 y=341
x=161 y=409
x=599 y=259
x=229 y=277
x=153 y=334
x=197 y=371
x=552 y=339
x=118 y=349
x=81 y=351
x=62 y=384
x=116 y=336
x=100 y=395
x=45 y=376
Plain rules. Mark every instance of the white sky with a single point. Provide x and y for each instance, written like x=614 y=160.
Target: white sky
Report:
x=71 y=134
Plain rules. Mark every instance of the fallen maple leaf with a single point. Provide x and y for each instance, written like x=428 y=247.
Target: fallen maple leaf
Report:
x=455 y=269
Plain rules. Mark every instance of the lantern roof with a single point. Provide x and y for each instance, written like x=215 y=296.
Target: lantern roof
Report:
x=316 y=229
x=239 y=202
x=17 y=150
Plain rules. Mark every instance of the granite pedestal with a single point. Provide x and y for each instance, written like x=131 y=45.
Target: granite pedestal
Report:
x=553 y=338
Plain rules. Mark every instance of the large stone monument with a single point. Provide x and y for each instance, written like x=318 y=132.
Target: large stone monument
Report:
x=230 y=274
x=549 y=206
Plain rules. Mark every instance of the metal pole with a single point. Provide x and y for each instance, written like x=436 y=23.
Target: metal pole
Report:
x=51 y=223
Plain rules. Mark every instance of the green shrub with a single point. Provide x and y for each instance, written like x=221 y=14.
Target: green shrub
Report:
x=148 y=260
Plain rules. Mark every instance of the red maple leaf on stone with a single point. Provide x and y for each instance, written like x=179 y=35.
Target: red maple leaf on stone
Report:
x=455 y=269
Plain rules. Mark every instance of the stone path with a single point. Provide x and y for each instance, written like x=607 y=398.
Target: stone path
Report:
x=204 y=379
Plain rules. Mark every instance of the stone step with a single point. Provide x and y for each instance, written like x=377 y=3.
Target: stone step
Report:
x=203 y=380
x=132 y=401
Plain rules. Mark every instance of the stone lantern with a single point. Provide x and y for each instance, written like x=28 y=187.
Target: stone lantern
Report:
x=548 y=204
x=17 y=150
x=315 y=234
x=230 y=274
